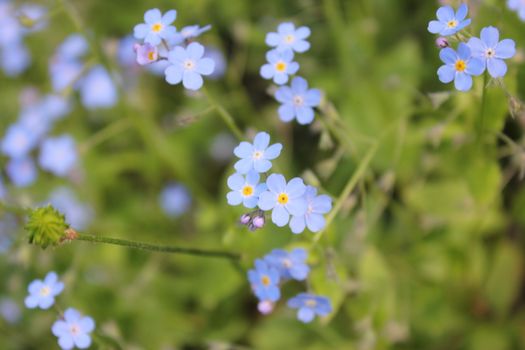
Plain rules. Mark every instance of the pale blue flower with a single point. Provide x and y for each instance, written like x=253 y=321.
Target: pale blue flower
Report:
x=448 y=22
x=284 y=199
x=58 y=155
x=188 y=65
x=73 y=330
x=188 y=32
x=264 y=281
x=15 y=59
x=280 y=65
x=175 y=200
x=491 y=51
x=459 y=67
x=245 y=189
x=310 y=305
x=156 y=27
x=42 y=293
x=317 y=206
x=287 y=37
x=10 y=311
x=258 y=155
x=298 y=101
x=146 y=54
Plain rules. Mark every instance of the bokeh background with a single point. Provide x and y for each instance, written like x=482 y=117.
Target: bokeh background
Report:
x=427 y=252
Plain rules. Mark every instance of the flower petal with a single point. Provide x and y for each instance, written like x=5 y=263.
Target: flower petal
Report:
x=280 y=216
x=261 y=141
x=445 y=13
x=490 y=36
x=297 y=224
x=267 y=200
x=463 y=81
x=448 y=55
x=152 y=16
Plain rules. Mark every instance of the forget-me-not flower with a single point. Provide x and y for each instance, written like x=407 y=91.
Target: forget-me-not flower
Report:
x=284 y=199
x=287 y=37
x=449 y=22
x=313 y=218
x=459 y=67
x=21 y=171
x=245 y=189
x=97 y=89
x=264 y=281
x=73 y=330
x=18 y=141
x=58 y=155
x=258 y=155
x=309 y=305
x=42 y=293
x=491 y=51
x=290 y=264
x=280 y=65
x=175 y=200
x=156 y=26
x=14 y=59
x=187 y=33
x=518 y=6
x=188 y=65
x=298 y=101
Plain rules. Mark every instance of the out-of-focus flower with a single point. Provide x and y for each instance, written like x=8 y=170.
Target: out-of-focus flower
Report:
x=21 y=171
x=9 y=310
x=73 y=330
x=518 y=6
x=280 y=65
x=42 y=293
x=175 y=200
x=97 y=89
x=459 y=67
x=298 y=101
x=187 y=33
x=288 y=37
x=317 y=206
x=290 y=264
x=78 y=214
x=245 y=189
x=449 y=22
x=188 y=65
x=156 y=27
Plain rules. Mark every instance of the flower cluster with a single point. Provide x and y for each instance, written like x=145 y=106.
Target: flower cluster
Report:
x=518 y=6
x=58 y=155
x=472 y=57
x=162 y=41
x=15 y=24
x=297 y=100
x=72 y=328
x=278 y=267
x=290 y=202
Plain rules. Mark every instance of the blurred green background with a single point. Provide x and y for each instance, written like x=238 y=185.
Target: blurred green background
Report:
x=426 y=253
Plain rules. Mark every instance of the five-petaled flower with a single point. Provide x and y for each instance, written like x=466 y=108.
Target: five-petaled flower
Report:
x=58 y=155
x=245 y=189
x=264 y=280
x=313 y=218
x=280 y=65
x=287 y=37
x=284 y=199
x=73 y=330
x=187 y=65
x=298 y=101
x=491 y=51
x=258 y=155
x=187 y=33
x=448 y=22
x=42 y=293
x=157 y=27
x=459 y=66
x=290 y=264
x=309 y=305
x=518 y=6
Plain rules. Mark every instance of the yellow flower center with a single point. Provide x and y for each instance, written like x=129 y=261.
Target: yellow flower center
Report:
x=311 y=302
x=280 y=66
x=452 y=23
x=265 y=280
x=289 y=39
x=283 y=198
x=151 y=55
x=45 y=291
x=157 y=27
x=257 y=154
x=460 y=65
x=490 y=53
x=298 y=100
x=74 y=329
x=247 y=190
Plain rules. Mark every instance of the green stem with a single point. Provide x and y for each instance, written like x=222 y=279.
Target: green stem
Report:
x=483 y=105
x=5 y=207
x=104 y=134
x=350 y=185
x=225 y=115
x=158 y=248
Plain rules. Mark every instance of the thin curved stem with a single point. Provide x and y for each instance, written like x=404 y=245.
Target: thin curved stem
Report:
x=158 y=248
x=225 y=115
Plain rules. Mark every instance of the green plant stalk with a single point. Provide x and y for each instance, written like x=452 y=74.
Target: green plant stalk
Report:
x=349 y=187
x=481 y=126
x=225 y=115
x=158 y=248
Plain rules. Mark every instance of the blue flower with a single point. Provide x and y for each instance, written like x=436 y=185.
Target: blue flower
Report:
x=175 y=200
x=58 y=155
x=97 y=89
x=309 y=305
x=518 y=6
x=313 y=218
x=187 y=33
x=15 y=59
x=77 y=214
x=18 y=141
x=264 y=281
x=55 y=107
x=448 y=22
x=188 y=64
x=287 y=37
x=42 y=293
x=72 y=48
x=63 y=74
x=245 y=190
x=459 y=66
x=290 y=265
x=491 y=51
x=256 y=156
x=280 y=65
x=73 y=330
x=156 y=26
x=298 y=101
x=21 y=171
x=9 y=310
x=283 y=199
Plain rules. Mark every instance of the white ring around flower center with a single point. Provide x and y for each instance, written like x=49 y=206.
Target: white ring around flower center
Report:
x=298 y=100
x=257 y=154
x=289 y=39
x=74 y=329
x=189 y=64
x=45 y=291
x=490 y=53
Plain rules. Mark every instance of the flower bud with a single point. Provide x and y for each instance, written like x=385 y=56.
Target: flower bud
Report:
x=46 y=226
x=245 y=219
x=442 y=42
x=258 y=221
